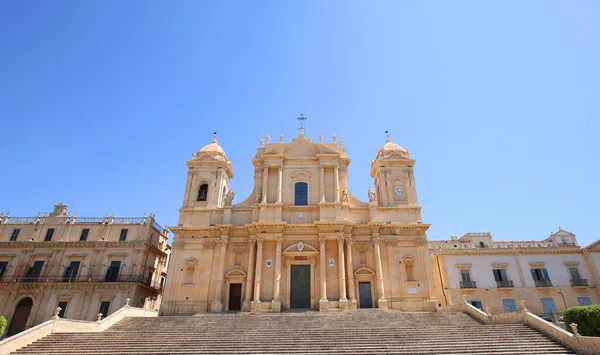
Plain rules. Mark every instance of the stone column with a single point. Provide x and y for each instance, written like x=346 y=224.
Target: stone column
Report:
x=352 y=304
x=323 y=273
x=322 y=183
x=265 y=180
x=250 y=279
x=342 y=271
x=276 y=303
x=258 y=274
x=336 y=170
x=279 y=182
x=217 y=304
x=382 y=302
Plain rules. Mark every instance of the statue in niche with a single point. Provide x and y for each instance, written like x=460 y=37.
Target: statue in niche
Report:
x=257 y=196
x=229 y=197
x=372 y=195
x=345 y=197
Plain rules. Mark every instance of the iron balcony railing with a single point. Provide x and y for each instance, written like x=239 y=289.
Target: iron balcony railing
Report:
x=506 y=283
x=543 y=283
x=468 y=284
x=84 y=278
x=579 y=282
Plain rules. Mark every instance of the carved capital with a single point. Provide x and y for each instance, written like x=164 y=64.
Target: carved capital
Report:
x=279 y=241
x=322 y=240
x=209 y=244
x=260 y=241
x=421 y=241
x=224 y=242
x=179 y=245
x=376 y=241
x=348 y=240
x=238 y=247
x=340 y=240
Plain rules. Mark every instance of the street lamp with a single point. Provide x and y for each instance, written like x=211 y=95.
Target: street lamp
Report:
x=563 y=298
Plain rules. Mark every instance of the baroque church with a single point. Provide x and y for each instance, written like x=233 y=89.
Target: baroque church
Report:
x=301 y=240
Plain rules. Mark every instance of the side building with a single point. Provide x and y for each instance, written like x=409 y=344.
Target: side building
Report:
x=84 y=265
x=550 y=275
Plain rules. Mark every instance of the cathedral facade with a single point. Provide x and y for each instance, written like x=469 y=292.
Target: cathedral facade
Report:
x=301 y=240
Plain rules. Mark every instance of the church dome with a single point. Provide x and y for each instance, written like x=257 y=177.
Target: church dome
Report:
x=213 y=149
x=392 y=149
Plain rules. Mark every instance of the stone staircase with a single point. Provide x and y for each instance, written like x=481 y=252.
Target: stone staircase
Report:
x=360 y=332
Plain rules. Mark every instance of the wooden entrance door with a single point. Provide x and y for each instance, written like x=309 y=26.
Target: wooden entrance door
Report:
x=300 y=286
x=235 y=297
x=364 y=291
x=19 y=320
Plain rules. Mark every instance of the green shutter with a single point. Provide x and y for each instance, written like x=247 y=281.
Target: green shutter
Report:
x=546 y=277
x=496 y=274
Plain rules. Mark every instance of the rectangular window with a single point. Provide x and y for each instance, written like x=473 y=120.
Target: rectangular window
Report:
x=15 y=234
x=49 y=234
x=510 y=305
x=476 y=304
x=113 y=271
x=71 y=271
x=3 y=266
x=123 y=235
x=301 y=194
x=34 y=272
x=500 y=275
x=584 y=301
x=84 y=234
x=465 y=275
x=574 y=273
x=104 y=307
x=549 y=305
x=63 y=308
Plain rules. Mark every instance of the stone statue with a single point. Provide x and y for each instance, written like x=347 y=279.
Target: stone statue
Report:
x=345 y=195
x=60 y=210
x=372 y=196
x=229 y=197
x=257 y=196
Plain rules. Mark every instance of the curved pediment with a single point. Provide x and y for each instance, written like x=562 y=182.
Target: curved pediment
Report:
x=364 y=271
x=300 y=249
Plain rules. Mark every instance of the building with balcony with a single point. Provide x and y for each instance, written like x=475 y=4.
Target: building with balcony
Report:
x=84 y=265
x=550 y=274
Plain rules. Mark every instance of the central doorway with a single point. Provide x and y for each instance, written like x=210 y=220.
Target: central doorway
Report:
x=235 y=297
x=300 y=286
x=19 y=320
x=364 y=292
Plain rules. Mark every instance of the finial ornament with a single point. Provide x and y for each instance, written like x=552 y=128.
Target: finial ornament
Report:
x=262 y=143
x=387 y=133
x=214 y=137
x=341 y=142
x=334 y=138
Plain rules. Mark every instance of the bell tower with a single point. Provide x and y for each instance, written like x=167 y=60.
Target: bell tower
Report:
x=392 y=172
x=209 y=173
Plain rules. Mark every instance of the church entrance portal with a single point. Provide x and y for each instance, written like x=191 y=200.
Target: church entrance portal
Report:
x=235 y=297
x=19 y=320
x=300 y=286
x=364 y=290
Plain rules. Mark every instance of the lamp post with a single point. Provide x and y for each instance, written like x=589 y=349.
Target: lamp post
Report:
x=563 y=298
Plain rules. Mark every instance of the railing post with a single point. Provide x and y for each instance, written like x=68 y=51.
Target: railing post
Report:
x=575 y=330
x=56 y=312
x=127 y=300
x=99 y=317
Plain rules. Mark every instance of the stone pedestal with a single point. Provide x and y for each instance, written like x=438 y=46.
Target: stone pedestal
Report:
x=323 y=305
x=352 y=305
x=276 y=306
x=216 y=306
x=382 y=303
x=343 y=304
x=254 y=306
x=246 y=306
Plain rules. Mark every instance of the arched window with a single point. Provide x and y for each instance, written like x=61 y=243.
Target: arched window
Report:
x=301 y=194
x=203 y=192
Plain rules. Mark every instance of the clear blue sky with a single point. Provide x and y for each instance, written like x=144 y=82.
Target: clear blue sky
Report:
x=102 y=102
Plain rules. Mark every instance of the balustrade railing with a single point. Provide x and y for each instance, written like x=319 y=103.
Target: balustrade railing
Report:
x=506 y=283
x=21 y=219
x=82 y=278
x=89 y=219
x=468 y=284
x=159 y=228
x=579 y=282
x=543 y=283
